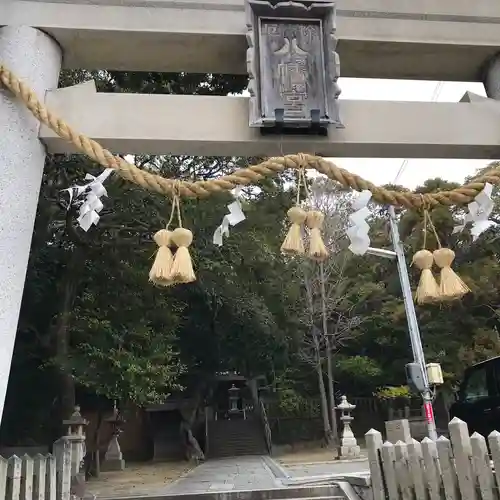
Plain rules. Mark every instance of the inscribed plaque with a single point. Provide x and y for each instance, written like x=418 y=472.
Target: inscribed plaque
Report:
x=293 y=65
x=291 y=62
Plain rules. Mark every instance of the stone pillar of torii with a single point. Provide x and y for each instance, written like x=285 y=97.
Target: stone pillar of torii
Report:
x=35 y=57
x=376 y=38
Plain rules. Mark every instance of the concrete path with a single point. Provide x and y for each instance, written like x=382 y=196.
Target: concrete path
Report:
x=248 y=473
x=239 y=473
x=253 y=473
x=322 y=468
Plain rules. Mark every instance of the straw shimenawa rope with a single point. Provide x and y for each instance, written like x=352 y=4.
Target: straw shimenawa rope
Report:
x=241 y=177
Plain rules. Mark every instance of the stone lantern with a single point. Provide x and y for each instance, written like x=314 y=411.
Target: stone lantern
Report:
x=349 y=446
x=76 y=426
x=234 y=396
x=113 y=459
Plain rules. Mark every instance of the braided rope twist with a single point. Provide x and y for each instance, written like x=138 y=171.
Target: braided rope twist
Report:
x=242 y=177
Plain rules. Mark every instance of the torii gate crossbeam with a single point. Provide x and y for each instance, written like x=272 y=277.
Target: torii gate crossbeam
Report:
x=411 y=39
x=183 y=124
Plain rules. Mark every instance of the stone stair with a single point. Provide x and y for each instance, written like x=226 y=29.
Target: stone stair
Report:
x=326 y=492
x=232 y=438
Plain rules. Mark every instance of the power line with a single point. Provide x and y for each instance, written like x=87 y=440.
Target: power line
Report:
x=437 y=91
x=435 y=95
x=401 y=170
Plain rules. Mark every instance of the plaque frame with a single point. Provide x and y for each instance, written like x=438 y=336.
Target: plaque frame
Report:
x=300 y=12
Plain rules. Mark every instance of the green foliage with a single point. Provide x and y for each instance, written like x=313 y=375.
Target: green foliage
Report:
x=391 y=393
x=292 y=404
x=119 y=351
x=359 y=372
x=485 y=344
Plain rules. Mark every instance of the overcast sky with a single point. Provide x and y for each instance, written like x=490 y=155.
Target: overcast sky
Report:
x=416 y=171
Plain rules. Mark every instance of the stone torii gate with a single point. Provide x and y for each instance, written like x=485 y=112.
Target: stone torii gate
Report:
x=419 y=39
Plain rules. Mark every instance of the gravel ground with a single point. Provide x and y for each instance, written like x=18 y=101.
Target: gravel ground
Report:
x=137 y=479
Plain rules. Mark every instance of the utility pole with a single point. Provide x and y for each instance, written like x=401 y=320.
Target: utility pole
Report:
x=411 y=317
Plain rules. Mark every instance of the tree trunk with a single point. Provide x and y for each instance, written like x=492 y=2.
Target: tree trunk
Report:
x=69 y=287
x=328 y=349
x=324 y=406
x=97 y=452
x=193 y=448
x=322 y=391
x=331 y=392
x=327 y=430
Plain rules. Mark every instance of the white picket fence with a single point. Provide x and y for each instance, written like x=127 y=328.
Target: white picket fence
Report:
x=42 y=477
x=459 y=468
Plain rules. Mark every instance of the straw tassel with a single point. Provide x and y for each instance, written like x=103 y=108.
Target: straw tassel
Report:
x=293 y=244
x=428 y=289
x=182 y=266
x=451 y=286
x=317 y=248
x=160 y=273
x=169 y=269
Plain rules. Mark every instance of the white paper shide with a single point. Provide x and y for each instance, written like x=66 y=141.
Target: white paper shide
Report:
x=479 y=213
x=359 y=228
x=88 y=197
x=235 y=216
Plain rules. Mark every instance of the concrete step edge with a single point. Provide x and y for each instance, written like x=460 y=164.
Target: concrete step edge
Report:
x=269 y=494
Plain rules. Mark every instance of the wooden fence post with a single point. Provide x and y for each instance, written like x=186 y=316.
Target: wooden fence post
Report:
x=482 y=466
x=447 y=468
x=402 y=471
x=14 y=478
x=462 y=450
x=459 y=469
x=26 y=477
x=62 y=451
x=432 y=470
x=494 y=442
x=388 y=460
x=39 y=474
x=373 y=440
x=416 y=468
x=3 y=477
x=51 y=478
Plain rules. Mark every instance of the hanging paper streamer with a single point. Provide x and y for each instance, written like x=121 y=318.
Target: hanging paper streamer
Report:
x=479 y=212
x=89 y=211
x=235 y=216
x=359 y=228
x=91 y=204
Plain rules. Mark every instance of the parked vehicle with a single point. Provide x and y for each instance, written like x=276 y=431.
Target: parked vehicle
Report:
x=478 y=401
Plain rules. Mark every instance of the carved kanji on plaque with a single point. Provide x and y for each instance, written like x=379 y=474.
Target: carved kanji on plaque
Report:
x=292 y=65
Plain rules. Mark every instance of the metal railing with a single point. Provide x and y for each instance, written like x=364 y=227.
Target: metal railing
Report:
x=207 y=431
x=267 y=428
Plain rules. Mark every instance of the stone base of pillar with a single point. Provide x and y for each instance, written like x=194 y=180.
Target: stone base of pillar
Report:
x=113 y=465
x=350 y=451
x=113 y=460
x=78 y=485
